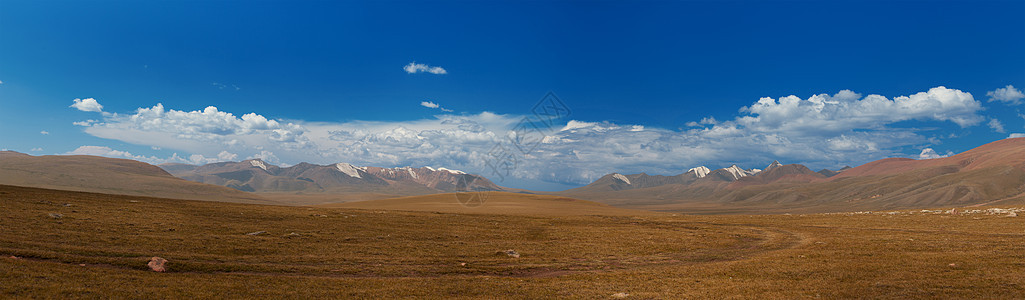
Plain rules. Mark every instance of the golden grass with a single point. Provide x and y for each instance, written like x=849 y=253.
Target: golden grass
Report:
x=387 y=254
x=494 y=203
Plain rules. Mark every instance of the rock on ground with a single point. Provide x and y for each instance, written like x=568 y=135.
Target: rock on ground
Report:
x=157 y=264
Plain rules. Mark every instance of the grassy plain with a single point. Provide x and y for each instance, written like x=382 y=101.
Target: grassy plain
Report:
x=99 y=246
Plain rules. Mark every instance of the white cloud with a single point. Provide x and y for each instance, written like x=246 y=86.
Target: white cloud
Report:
x=1008 y=95
x=85 y=123
x=87 y=104
x=823 y=114
x=226 y=156
x=821 y=131
x=37 y=149
x=996 y=125
x=44 y=132
x=429 y=104
x=1016 y=135
x=413 y=68
x=108 y=152
x=704 y=121
x=112 y=153
x=202 y=131
x=929 y=153
x=1 y=82
x=266 y=156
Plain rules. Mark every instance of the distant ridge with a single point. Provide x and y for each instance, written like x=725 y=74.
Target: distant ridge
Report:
x=991 y=173
x=255 y=175
x=110 y=176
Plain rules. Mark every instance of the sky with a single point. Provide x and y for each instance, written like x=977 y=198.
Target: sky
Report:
x=542 y=95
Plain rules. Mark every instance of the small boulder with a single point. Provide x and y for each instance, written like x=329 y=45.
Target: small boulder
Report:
x=620 y=295
x=256 y=232
x=157 y=264
x=56 y=215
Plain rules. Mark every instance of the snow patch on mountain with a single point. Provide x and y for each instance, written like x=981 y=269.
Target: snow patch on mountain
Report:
x=737 y=172
x=458 y=172
x=700 y=172
x=773 y=165
x=348 y=170
x=258 y=164
x=621 y=177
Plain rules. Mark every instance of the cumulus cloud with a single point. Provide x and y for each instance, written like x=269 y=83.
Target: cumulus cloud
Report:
x=1008 y=95
x=996 y=125
x=825 y=114
x=87 y=104
x=266 y=156
x=44 y=132
x=201 y=131
x=1016 y=135
x=929 y=153
x=226 y=156
x=413 y=68
x=37 y=149
x=820 y=131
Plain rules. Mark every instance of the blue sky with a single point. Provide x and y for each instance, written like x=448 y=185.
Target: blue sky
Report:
x=325 y=82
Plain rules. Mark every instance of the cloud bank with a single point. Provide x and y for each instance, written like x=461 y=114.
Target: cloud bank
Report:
x=821 y=131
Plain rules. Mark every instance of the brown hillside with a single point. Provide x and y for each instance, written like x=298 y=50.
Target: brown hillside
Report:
x=109 y=175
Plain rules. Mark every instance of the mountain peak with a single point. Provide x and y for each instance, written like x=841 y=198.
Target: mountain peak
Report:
x=737 y=172
x=773 y=165
x=258 y=163
x=700 y=172
x=621 y=178
x=348 y=169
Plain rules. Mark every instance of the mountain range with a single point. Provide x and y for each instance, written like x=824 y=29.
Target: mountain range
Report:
x=988 y=175
x=992 y=173
x=255 y=175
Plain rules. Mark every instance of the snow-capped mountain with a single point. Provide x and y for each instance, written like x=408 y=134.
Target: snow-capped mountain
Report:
x=617 y=181
x=697 y=183
x=258 y=176
x=700 y=172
